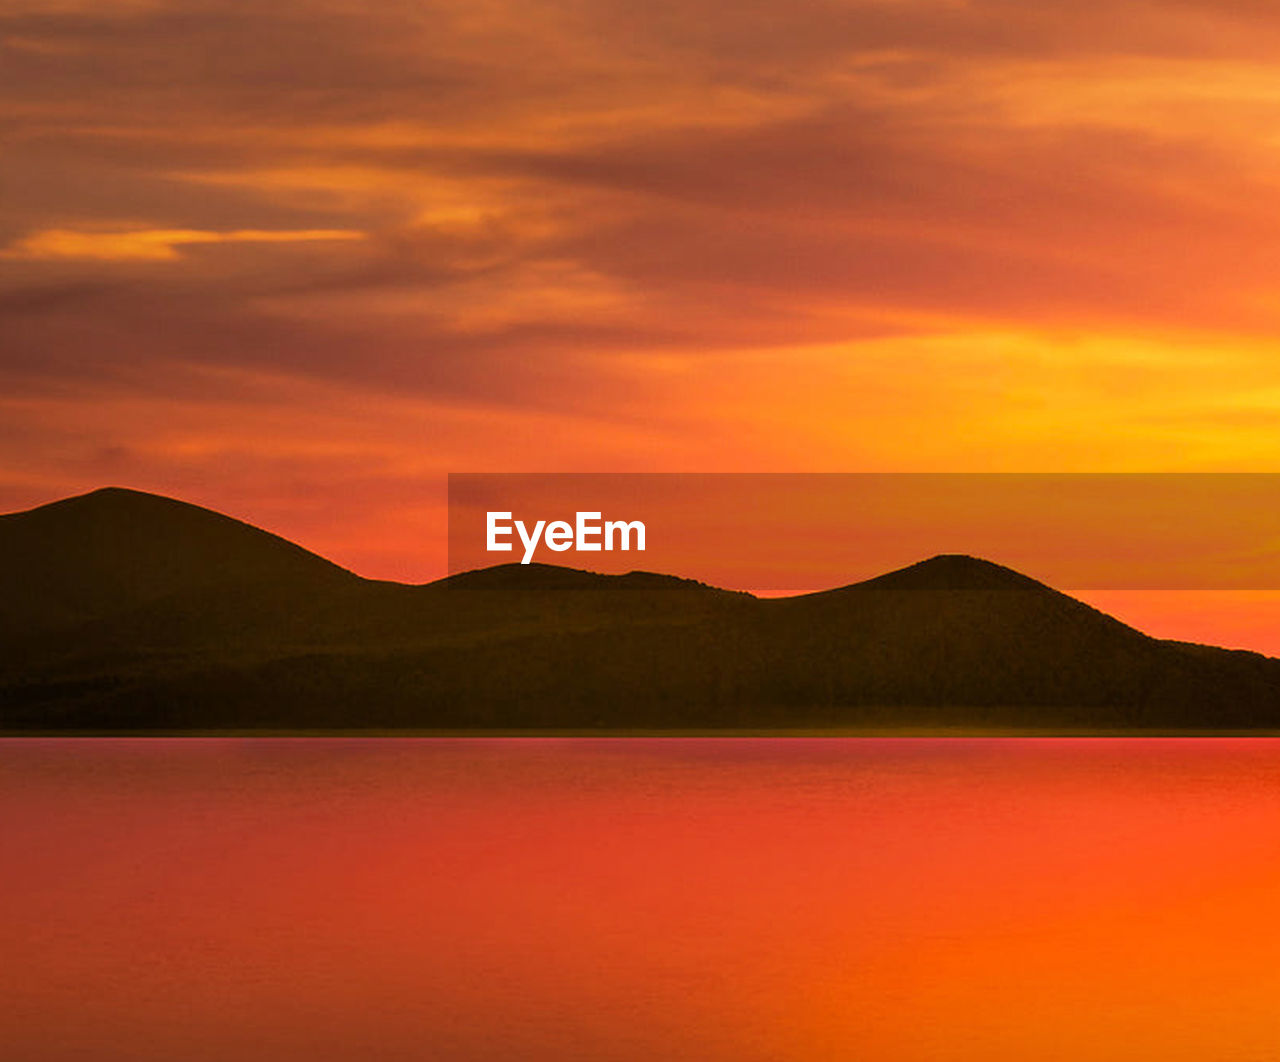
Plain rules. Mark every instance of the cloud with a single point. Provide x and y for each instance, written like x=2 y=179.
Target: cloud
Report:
x=150 y=244
x=865 y=233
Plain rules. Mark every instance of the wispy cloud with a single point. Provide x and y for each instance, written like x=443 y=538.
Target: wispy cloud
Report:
x=150 y=244
x=910 y=234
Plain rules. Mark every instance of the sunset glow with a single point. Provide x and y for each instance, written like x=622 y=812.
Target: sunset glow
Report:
x=297 y=261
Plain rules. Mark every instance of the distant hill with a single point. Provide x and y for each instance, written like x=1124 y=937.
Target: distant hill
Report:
x=104 y=553
x=125 y=610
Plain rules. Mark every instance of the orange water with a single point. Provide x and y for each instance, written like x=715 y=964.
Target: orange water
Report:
x=626 y=899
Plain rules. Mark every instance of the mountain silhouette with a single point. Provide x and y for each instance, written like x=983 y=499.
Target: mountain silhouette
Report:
x=115 y=549
x=121 y=610
x=950 y=571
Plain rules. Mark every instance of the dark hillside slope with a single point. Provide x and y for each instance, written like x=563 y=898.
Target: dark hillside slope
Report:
x=113 y=550
x=130 y=611
x=980 y=642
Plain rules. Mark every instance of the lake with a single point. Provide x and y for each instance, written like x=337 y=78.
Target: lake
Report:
x=770 y=899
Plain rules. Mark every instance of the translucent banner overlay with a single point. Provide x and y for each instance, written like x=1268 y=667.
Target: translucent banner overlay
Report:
x=783 y=532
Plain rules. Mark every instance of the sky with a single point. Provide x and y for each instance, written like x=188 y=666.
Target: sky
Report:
x=296 y=261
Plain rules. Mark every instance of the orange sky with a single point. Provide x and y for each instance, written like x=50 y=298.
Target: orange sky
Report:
x=298 y=260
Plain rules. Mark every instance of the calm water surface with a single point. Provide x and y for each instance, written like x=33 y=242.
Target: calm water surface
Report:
x=791 y=900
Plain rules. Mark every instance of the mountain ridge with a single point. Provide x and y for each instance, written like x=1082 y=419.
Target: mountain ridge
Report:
x=126 y=610
x=113 y=548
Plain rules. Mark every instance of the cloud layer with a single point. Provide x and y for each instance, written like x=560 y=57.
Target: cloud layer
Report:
x=260 y=254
